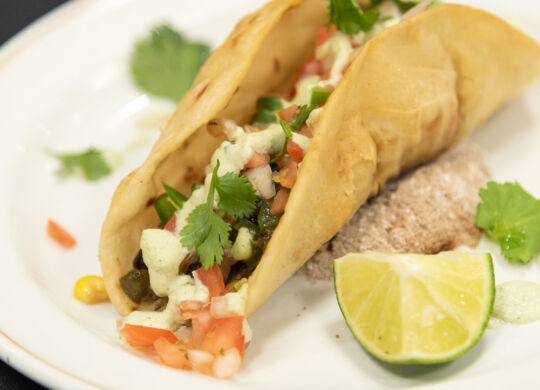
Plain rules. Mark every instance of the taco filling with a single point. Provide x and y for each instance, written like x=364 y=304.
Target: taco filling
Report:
x=190 y=275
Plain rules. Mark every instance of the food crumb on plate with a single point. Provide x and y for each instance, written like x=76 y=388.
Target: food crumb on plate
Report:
x=432 y=209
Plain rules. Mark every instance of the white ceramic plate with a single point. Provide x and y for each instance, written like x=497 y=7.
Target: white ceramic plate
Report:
x=64 y=85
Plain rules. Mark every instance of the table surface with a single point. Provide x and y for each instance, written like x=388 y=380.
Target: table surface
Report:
x=14 y=16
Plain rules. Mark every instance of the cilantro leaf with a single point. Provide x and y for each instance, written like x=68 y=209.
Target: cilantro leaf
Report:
x=288 y=134
x=237 y=197
x=300 y=117
x=349 y=17
x=511 y=216
x=286 y=128
x=165 y=64
x=208 y=233
x=90 y=164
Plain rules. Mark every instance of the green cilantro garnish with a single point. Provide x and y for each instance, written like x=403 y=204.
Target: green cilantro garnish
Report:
x=286 y=128
x=349 y=17
x=237 y=198
x=511 y=216
x=288 y=134
x=165 y=63
x=91 y=164
x=300 y=117
x=319 y=95
x=185 y=352
x=206 y=231
x=221 y=352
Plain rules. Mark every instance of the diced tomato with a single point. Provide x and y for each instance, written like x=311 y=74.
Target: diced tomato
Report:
x=325 y=34
x=287 y=113
x=189 y=309
x=173 y=354
x=288 y=174
x=310 y=68
x=306 y=131
x=145 y=336
x=280 y=200
x=257 y=160
x=60 y=235
x=224 y=334
x=171 y=224
x=212 y=278
x=294 y=150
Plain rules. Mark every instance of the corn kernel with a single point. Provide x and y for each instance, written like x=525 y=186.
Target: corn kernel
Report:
x=90 y=289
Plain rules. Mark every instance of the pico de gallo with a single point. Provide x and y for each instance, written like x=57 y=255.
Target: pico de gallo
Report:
x=190 y=276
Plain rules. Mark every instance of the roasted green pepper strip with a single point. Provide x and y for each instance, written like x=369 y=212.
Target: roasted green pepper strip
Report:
x=319 y=96
x=253 y=229
x=164 y=208
x=266 y=220
x=136 y=284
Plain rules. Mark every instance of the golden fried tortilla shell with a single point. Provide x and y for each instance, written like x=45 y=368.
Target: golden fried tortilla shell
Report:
x=409 y=94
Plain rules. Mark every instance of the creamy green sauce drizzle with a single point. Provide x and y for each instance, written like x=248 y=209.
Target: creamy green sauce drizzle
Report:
x=516 y=302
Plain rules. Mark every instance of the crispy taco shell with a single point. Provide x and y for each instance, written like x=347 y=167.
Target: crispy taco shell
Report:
x=411 y=92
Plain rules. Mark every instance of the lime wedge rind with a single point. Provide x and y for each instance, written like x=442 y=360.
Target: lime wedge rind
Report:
x=423 y=358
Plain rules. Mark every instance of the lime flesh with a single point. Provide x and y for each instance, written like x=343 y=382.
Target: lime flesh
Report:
x=416 y=309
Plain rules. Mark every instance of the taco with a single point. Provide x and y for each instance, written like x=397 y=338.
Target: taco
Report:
x=289 y=127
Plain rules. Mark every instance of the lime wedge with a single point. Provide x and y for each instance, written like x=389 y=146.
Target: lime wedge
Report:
x=416 y=309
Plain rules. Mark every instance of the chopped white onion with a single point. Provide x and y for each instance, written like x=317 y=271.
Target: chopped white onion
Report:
x=261 y=179
x=219 y=307
x=389 y=9
x=227 y=365
x=200 y=357
x=183 y=333
x=201 y=361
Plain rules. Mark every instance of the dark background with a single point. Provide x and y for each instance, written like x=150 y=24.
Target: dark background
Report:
x=14 y=16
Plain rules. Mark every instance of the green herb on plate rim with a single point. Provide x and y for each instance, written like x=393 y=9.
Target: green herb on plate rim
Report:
x=165 y=63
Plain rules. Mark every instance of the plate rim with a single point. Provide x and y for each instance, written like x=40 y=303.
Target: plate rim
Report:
x=13 y=354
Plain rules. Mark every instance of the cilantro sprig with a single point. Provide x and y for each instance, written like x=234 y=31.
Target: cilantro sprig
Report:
x=165 y=63
x=510 y=215
x=288 y=134
x=349 y=17
x=91 y=164
x=206 y=231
